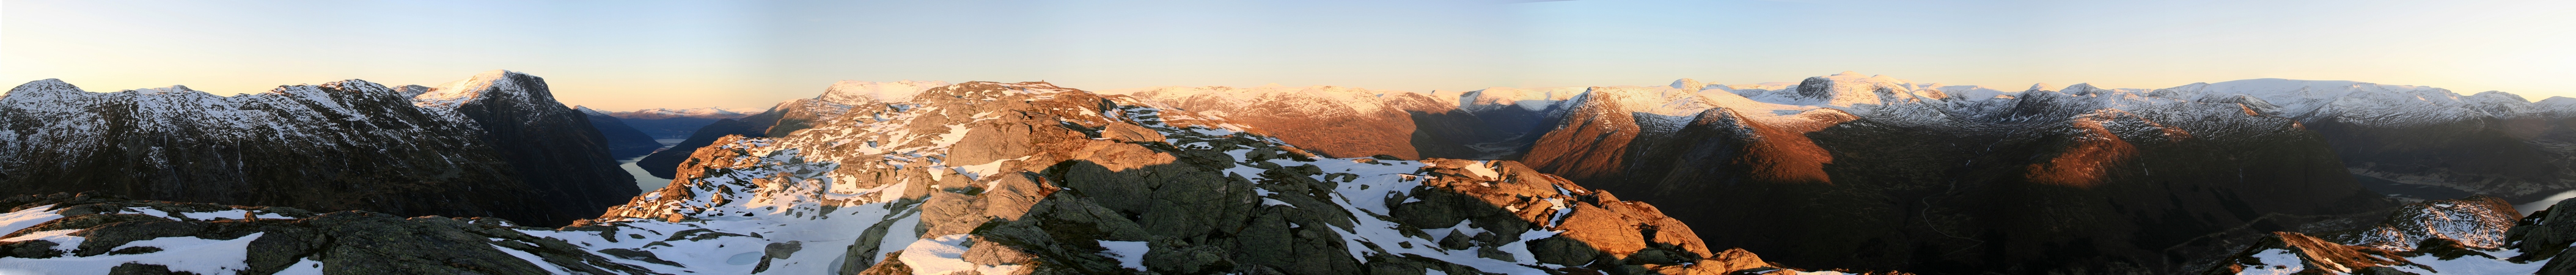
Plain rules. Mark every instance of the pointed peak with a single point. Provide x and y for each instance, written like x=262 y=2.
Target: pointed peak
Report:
x=455 y=93
x=1688 y=84
x=2040 y=87
x=496 y=74
x=411 y=91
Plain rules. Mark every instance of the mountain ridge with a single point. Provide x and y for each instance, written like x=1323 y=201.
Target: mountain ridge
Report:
x=279 y=147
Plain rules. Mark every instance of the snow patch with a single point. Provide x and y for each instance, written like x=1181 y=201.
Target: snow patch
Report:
x=1130 y=254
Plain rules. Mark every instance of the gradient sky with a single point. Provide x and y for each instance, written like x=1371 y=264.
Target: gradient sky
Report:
x=624 y=55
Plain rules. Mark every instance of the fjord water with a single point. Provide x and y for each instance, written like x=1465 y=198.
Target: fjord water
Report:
x=645 y=180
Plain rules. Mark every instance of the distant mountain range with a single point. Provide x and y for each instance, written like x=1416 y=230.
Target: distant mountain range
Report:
x=1839 y=173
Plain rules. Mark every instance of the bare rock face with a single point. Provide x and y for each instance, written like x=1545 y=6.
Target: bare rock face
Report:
x=2478 y=222
x=493 y=146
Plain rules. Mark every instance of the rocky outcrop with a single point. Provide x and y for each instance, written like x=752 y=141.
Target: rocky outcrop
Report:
x=2478 y=222
x=623 y=141
x=2458 y=236
x=662 y=164
x=783 y=119
x=347 y=145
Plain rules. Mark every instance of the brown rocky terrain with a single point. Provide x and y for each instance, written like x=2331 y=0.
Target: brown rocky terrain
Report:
x=1351 y=122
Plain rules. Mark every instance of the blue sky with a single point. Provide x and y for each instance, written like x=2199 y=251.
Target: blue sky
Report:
x=620 y=55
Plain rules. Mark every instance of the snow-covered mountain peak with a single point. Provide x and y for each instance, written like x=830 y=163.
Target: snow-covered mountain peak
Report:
x=1688 y=84
x=410 y=91
x=1974 y=92
x=2040 y=87
x=1659 y=100
x=706 y=112
x=2366 y=103
x=854 y=92
x=1501 y=97
x=470 y=89
x=42 y=88
x=171 y=89
x=588 y=111
x=1308 y=99
x=2082 y=89
x=1849 y=88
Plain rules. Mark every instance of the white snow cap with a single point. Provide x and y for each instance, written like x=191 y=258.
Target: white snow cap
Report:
x=850 y=92
x=458 y=92
x=2038 y=87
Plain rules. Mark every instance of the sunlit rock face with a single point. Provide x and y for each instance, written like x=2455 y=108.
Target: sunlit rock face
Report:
x=494 y=145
